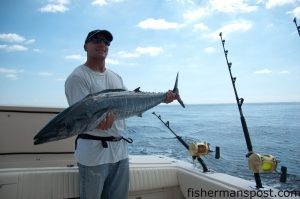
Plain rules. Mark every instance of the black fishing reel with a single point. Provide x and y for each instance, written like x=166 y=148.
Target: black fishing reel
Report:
x=266 y=164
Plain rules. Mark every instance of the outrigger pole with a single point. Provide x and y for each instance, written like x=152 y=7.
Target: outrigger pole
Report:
x=239 y=102
x=167 y=124
x=298 y=27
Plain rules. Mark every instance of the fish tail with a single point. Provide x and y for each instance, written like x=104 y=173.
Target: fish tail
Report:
x=176 y=92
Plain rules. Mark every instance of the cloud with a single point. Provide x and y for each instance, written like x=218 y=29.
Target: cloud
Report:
x=284 y=72
x=99 y=2
x=277 y=3
x=55 y=6
x=209 y=50
x=11 y=37
x=184 y=2
x=158 y=24
x=60 y=79
x=47 y=74
x=128 y=55
x=75 y=57
x=196 y=14
x=13 y=48
x=200 y=26
x=112 y=61
x=231 y=6
x=263 y=71
x=235 y=26
x=152 y=51
x=213 y=6
x=295 y=12
x=105 y=2
x=9 y=73
x=36 y=50
x=14 y=38
x=31 y=41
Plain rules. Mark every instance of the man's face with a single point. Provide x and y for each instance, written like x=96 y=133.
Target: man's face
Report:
x=97 y=46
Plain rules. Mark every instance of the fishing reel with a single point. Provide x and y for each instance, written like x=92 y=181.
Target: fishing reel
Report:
x=197 y=149
x=265 y=164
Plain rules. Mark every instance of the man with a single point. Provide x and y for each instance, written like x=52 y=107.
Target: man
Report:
x=103 y=163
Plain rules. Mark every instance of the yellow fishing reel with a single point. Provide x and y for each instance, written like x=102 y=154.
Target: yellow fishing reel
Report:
x=262 y=163
x=197 y=149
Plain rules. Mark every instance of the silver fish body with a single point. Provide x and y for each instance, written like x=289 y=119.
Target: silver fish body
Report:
x=86 y=114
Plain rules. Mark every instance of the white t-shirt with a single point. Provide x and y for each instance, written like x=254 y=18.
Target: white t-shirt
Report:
x=81 y=82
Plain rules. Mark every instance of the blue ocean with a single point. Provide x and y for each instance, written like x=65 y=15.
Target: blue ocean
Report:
x=274 y=128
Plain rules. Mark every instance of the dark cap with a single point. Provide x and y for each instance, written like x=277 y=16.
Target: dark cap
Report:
x=93 y=33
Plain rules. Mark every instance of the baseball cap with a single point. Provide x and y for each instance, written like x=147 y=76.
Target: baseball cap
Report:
x=93 y=33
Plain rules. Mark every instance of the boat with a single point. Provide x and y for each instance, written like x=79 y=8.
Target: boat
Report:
x=50 y=171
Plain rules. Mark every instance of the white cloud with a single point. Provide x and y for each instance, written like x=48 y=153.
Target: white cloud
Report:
x=295 y=12
x=112 y=61
x=12 y=76
x=60 y=79
x=276 y=3
x=128 y=55
x=105 y=2
x=9 y=73
x=31 y=41
x=196 y=14
x=99 y=2
x=200 y=26
x=209 y=50
x=55 y=6
x=11 y=37
x=285 y=72
x=13 y=48
x=235 y=26
x=263 y=71
x=36 y=50
x=231 y=6
x=152 y=51
x=158 y=24
x=74 y=57
x=225 y=6
x=45 y=74
x=184 y=2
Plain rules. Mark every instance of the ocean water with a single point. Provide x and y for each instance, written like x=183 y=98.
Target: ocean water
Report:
x=274 y=128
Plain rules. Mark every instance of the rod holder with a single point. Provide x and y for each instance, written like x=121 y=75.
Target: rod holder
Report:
x=283 y=175
x=217 y=154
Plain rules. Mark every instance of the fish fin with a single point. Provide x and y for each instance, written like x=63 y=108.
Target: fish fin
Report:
x=137 y=90
x=108 y=91
x=96 y=120
x=176 y=92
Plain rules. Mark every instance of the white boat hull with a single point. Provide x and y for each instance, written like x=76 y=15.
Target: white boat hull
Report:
x=50 y=171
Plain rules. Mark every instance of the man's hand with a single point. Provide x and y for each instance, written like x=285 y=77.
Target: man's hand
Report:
x=170 y=97
x=107 y=122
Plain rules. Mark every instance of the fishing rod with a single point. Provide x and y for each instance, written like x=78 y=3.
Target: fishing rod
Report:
x=298 y=27
x=257 y=163
x=196 y=149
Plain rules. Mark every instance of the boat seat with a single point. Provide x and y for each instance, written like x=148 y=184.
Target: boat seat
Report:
x=152 y=178
x=57 y=182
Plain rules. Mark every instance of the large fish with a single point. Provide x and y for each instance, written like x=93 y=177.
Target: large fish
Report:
x=86 y=114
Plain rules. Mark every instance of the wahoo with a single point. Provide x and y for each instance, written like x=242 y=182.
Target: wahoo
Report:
x=86 y=114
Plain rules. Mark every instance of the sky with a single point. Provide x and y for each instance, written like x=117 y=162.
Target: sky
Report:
x=41 y=43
